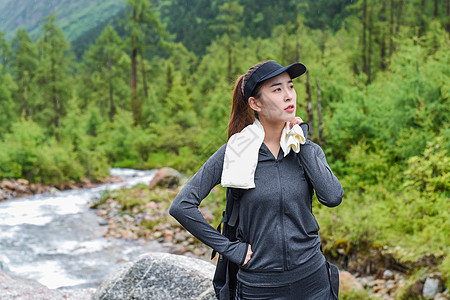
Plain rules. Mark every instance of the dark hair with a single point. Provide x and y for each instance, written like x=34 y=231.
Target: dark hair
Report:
x=241 y=113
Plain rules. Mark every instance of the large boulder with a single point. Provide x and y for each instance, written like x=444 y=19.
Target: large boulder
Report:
x=12 y=287
x=160 y=276
x=165 y=178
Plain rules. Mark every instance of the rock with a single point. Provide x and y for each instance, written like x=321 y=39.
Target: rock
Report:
x=166 y=178
x=22 y=181
x=160 y=276
x=8 y=185
x=388 y=274
x=16 y=288
x=415 y=290
x=348 y=282
x=441 y=296
x=431 y=287
x=2 y=195
x=390 y=286
x=364 y=281
x=168 y=236
x=53 y=190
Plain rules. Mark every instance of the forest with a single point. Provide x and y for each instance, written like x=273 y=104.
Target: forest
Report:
x=152 y=86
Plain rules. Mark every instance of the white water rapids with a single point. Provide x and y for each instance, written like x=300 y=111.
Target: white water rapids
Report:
x=57 y=240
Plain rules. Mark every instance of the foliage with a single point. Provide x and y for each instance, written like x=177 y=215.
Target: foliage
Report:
x=355 y=295
x=154 y=89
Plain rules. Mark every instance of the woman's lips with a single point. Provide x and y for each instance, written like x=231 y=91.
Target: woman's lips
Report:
x=290 y=108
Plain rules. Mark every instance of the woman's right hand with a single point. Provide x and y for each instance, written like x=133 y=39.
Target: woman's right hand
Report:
x=249 y=255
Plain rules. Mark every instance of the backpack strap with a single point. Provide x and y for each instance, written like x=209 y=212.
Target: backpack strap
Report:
x=230 y=215
x=235 y=195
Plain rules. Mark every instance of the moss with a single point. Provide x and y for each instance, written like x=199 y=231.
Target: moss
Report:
x=355 y=295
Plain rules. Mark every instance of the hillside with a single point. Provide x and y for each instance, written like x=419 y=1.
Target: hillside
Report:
x=74 y=17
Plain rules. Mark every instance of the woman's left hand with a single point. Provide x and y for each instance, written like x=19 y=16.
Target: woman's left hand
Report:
x=296 y=120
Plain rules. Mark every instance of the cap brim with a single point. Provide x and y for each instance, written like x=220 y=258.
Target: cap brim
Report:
x=294 y=70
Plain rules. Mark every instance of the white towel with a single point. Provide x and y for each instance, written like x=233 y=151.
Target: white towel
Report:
x=241 y=153
x=291 y=138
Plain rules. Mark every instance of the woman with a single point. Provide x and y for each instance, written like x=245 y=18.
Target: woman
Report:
x=278 y=246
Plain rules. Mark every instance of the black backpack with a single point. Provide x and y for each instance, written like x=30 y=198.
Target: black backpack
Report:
x=224 y=280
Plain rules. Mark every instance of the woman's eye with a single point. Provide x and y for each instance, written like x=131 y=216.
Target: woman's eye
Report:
x=277 y=90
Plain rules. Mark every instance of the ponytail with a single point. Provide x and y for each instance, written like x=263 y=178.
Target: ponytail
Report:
x=241 y=113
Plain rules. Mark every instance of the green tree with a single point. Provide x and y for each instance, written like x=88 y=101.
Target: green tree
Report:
x=7 y=115
x=24 y=65
x=105 y=73
x=144 y=28
x=177 y=103
x=193 y=21
x=229 y=23
x=53 y=75
x=5 y=53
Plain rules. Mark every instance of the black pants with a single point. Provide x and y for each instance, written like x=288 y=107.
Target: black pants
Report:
x=314 y=287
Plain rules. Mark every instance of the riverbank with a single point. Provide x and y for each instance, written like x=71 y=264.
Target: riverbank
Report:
x=17 y=188
x=141 y=213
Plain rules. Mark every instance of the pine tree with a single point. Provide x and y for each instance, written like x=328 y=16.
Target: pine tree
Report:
x=24 y=65
x=106 y=70
x=53 y=75
x=7 y=115
x=145 y=31
x=230 y=23
x=5 y=53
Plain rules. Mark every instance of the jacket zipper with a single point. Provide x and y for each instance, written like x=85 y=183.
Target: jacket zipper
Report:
x=282 y=215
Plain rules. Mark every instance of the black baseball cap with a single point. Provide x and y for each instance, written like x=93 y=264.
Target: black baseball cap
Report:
x=269 y=70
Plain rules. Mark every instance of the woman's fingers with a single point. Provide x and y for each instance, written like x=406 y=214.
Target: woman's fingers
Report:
x=296 y=120
x=249 y=255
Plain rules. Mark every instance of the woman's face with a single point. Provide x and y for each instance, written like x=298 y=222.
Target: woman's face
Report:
x=277 y=100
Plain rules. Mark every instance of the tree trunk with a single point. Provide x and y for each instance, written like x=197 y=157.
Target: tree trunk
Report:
x=230 y=53
x=369 y=57
x=134 y=105
x=391 y=29
x=399 y=17
x=319 y=111
x=134 y=101
x=23 y=92
x=144 y=77
x=309 y=110
x=111 y=92
x=422 y=18
x=297 y=43
x=383 y=39
x=54 y=98
x=383 y=63
x=284 y=51
x=364 y=39
x=435 y=13
x=230 y=62
x=448 y=16
x=324 y=41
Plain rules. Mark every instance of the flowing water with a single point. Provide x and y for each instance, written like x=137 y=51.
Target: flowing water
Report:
x=57 y=240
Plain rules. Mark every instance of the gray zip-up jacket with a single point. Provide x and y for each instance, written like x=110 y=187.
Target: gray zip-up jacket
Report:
x=275 y=217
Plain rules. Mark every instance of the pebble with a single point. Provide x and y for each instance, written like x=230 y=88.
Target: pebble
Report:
x=388 y=275
x=431 y=288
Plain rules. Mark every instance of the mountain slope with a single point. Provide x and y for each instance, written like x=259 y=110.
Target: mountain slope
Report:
x=74 y=17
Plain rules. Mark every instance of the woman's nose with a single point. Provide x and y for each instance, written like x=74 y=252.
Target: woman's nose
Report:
x=288 y=95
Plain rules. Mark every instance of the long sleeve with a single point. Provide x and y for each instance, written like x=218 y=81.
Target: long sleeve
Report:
x=184 y=209
x=328 y=189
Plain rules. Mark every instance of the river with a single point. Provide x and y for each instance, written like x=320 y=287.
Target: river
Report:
x=57 y=240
